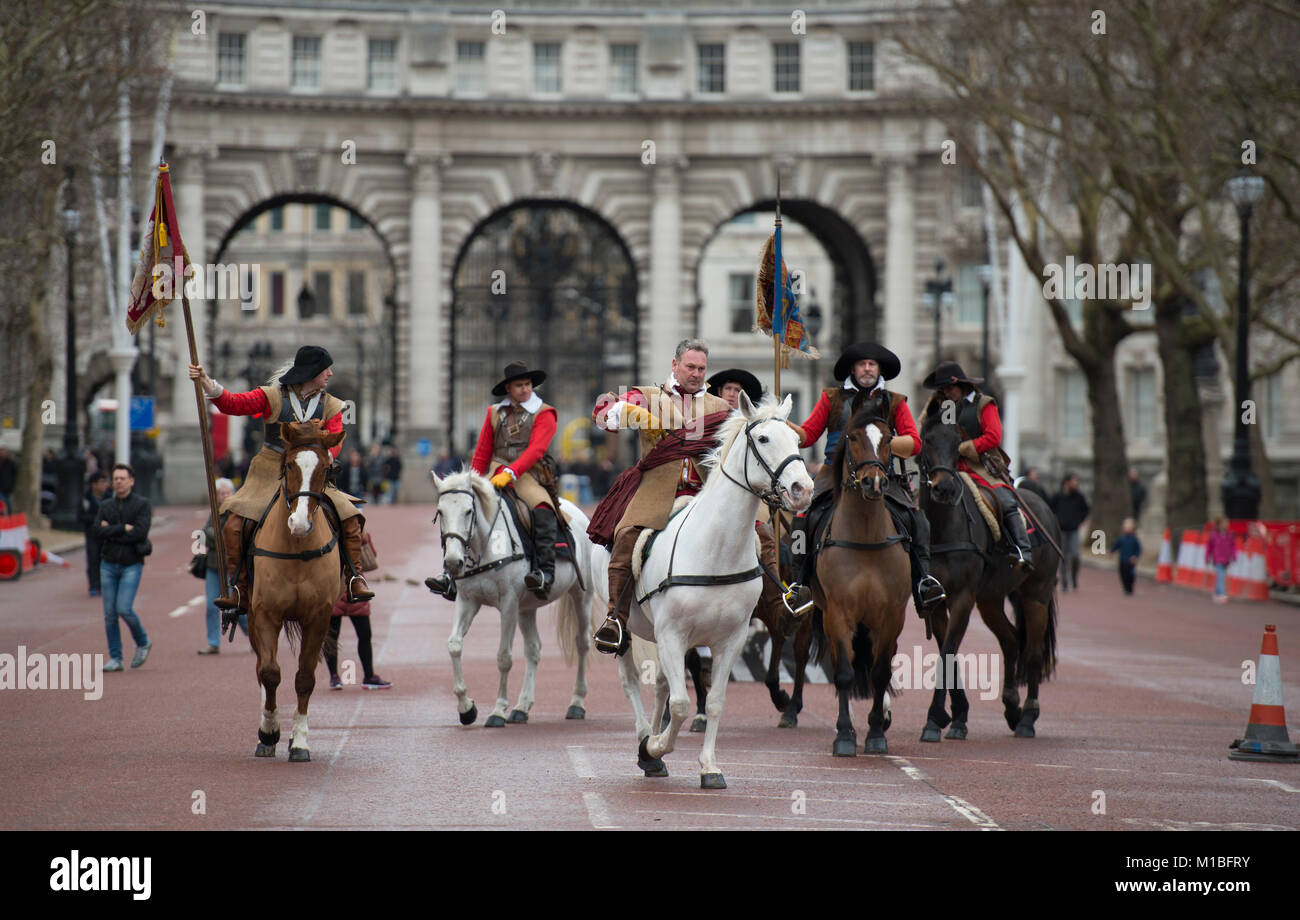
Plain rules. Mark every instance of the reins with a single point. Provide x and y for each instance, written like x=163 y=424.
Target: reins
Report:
x=470 y=555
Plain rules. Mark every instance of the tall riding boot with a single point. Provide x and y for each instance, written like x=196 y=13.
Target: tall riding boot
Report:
x=442 y=584
x=769 y=602
x=613 y=636
x=236 y=596
x=925 y=587
x=545 y=531
x=1014 y=521
x=358 y=590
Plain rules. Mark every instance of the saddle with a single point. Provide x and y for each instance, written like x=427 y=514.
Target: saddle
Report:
x=991 y=511
x=522 y=515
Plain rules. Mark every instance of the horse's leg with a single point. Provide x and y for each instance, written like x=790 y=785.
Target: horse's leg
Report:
x=937 y=717
x=881 y=715
x=841 y=645
x=509 y=622
x=802 y=641
x=1036 y=614
x=264 y=632
x=304 y=682
x=780 y=699
x=630 y=678
x=578 y=704
x=695 y=663
x=465 y=611
x=710 y=776
x=994 y=616
x=949 y=674
x=659 y=711
x=532 y=655
x=672 y=667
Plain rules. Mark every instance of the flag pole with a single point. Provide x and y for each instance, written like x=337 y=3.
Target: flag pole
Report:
x=778 y=309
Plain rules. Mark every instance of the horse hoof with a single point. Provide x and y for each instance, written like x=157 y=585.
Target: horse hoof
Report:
x=576 y=712
x=712 y=781
x=651 y=766
x=931 y=732
x=494 y=721
x=518 y=717
x=264 y=750
x=780 y=699
x=271 y=738
x=468 y=718
x=845 y=747
x=788 y=722
x=957 y=732
x=699 y=724
x=1013 y=718
x=1024 y=730
x=299 y=755
x=876 y=746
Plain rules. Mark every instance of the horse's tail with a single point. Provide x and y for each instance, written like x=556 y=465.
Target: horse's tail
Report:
x=862 y=658
x=1049 y=639
x=568 y=623
x=293 y=632
x=1047 y=659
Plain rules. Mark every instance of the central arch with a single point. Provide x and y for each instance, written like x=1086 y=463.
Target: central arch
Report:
x=546 y=282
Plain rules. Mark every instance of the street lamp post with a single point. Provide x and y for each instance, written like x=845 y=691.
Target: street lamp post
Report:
x=986 y=279
x=71 y=466
x=1240 y=486
x=937 y=289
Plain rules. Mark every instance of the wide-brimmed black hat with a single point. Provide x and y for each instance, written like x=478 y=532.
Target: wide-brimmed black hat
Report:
x=307 y=363
x=748 y=382
x=517 y=370
x=888 y=361
x=948 y=373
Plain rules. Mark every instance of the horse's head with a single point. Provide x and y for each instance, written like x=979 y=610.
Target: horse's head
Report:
x=303 y=466
x=865 y=455
x=460 y=496
x=773 y=467
x=938 y=461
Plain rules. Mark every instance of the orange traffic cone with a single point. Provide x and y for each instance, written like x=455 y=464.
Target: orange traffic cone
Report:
x=1164 y=565
x=1256 y=578
x=1266 y=738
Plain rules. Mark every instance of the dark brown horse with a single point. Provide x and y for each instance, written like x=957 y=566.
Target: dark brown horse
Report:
x=862 y=585
x=296 y=578
x=975 y=572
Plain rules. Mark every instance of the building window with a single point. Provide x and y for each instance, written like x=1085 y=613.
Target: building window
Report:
x=277 y=219
x=740 y=301
x=381 y=67
x=546 y=67
x=1073 y=400
x=230 y=58
x=862 y=66
x=1074 y=310
x=622 y=67
x=320 y=282
x=277 y=293
x=1270 y=395
x=785 y=67
x=356 y=293
x=969 y=293
x=971 y=186
x=1141 y=420
x=356 y=221
x=323 y=212
x=306 y=62
x=471 y=67
x=711 y=61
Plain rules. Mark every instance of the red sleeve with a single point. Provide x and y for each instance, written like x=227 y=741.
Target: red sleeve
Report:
x=483 y=449
x=904 y=424
x=815 y=425
x=333 y=424
x=540 y=439
x=254 y=403
x=991 y=423
x=633 y=397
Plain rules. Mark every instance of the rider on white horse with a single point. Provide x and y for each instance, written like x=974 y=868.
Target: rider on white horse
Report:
x=682 y=406
x=515 y=435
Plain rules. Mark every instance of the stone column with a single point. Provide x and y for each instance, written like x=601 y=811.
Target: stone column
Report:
x=428 y=395
x=664 y=326
x=900 y=269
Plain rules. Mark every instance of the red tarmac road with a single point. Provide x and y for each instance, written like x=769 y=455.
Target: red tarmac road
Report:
x=1147 y=697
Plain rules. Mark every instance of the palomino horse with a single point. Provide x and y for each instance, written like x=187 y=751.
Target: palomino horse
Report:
x=482 y=550
x=975 y=572
x=862 y=583
x=296 y=578
x=699 y=584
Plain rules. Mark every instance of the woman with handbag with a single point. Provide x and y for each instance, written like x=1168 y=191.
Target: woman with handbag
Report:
x=359 y=613
x=207 y=562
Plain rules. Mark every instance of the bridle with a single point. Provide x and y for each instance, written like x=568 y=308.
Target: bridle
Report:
x=284 y=467
x=926 y=470
x=856 y=482
x=466 y=539
x=771 y=496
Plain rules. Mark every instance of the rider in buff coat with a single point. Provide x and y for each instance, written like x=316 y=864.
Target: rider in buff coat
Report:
x=294 y=395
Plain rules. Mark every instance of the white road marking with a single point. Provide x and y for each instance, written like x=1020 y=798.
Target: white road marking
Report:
x=959 y=805
x=785 y=798
x=1272 y=782
x=581 y=763
x=794 y=821
x=187 y=606
x=597 y=812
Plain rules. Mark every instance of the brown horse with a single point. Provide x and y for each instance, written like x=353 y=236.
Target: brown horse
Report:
x=862 y=584
x=296 y=578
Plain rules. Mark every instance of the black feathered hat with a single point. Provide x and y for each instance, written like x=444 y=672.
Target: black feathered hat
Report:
x=948 y=373
x=888 y=361
x=748 y=382
x=307 y=363
x=517 y=370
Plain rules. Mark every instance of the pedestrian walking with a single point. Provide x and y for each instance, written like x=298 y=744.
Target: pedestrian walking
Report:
x=122 y=523
x=355 y=478
x=1071 y=509
x=1221 y=552
x=212 y=577
x=1129 y=548
x=392 y=469
x=86 y=514
x=359 y=614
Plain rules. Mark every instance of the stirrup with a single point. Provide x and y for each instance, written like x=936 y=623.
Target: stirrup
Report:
x=353 y=597
x=606 y=647
x=788 y=596
x=931 y=580
x=449 y=592
x=228 y=604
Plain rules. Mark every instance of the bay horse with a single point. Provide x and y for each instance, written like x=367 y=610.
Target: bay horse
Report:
x=975 y=572
x=699 y=583
x=861 y=582
x=296 y=578
x=482 y=550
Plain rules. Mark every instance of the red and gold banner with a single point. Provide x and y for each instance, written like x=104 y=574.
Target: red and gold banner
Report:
x=163 y=261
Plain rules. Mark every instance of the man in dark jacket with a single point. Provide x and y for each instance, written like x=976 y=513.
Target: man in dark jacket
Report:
x=1071 y=509
x=86 y=514
x=123 y=525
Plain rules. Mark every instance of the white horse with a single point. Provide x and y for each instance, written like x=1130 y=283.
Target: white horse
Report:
x=701 y=580
x=482 y=550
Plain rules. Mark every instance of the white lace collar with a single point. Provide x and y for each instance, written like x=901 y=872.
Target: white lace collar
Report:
x=530 y=405
x=673 y=388
x=849 y=384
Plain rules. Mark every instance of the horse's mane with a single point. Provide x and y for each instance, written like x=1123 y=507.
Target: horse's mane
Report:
x=876 y=406
x=730 y=431
x=481 y=486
